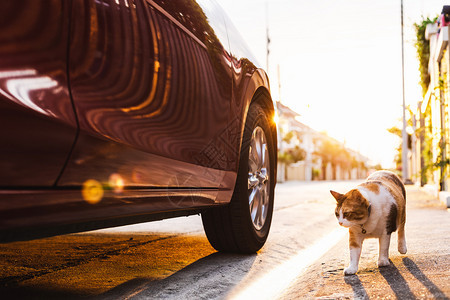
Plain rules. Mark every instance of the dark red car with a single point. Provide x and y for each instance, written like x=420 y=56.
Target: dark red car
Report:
x=115 y=112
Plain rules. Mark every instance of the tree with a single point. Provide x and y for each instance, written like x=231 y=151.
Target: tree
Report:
x=292 y=155
x=398 y=132
x=333 y=153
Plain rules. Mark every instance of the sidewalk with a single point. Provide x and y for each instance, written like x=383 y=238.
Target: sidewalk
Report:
x=423 y=273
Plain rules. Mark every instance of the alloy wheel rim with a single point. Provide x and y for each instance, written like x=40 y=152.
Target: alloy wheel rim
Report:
x=258 y=178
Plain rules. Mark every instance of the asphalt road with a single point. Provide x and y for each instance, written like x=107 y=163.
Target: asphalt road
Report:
x=303 y=258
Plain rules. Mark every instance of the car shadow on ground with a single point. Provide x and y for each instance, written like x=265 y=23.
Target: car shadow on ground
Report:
x=210 y=277
x=116 y=266
x=36 y=293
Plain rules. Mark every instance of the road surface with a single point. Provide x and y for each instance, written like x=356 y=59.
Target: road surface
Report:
x=303 y=258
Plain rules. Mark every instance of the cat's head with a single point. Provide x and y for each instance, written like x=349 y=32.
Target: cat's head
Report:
x=351 y=208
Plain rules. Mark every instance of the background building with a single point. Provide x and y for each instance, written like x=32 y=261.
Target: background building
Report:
x=306 y=154
x=431 y=148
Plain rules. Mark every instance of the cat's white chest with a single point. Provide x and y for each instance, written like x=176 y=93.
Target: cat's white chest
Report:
x=376 y=231
x=380 y=206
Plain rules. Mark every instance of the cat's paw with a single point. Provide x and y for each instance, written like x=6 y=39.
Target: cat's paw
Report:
x=402 y=248
x=350 y=270
x=383 y=262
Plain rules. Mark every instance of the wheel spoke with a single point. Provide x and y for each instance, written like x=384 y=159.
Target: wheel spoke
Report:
x=258 y=217
x=263 y=155
x=251 y=199
x=253 y=160
x=252 y=181
x=255 y=153
x=258 y=178
x=258 y=148
x=254 y=203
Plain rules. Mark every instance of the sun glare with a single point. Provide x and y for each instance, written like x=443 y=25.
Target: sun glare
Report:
x=276 y=118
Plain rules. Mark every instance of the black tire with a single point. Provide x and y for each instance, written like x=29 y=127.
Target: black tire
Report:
x=232 y=228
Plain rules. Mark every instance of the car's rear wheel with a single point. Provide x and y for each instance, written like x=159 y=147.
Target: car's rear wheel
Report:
x=243 y=225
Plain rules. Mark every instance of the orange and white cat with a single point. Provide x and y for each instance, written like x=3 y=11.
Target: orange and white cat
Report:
x=374 y=209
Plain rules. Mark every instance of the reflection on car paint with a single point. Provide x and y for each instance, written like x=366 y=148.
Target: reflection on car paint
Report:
x=36 y=114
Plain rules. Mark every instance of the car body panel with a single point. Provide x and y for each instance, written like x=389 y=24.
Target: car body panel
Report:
x=161 y=97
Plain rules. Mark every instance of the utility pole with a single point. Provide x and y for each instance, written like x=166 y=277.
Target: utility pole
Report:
x=405 y=166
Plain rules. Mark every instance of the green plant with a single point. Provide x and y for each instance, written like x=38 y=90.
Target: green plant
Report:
x=288 y=137
x=427 y=147
x=291 y=155
x=333 y=153
x=315 y=174
x=398 y=132
x=423 y=51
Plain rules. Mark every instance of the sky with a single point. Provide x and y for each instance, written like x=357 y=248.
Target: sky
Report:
x=339 y=63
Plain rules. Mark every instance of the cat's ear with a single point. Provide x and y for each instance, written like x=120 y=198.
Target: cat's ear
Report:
x=337 y=196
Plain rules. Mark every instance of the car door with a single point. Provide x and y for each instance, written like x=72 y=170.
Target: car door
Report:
x=151 y=84
x=37 y=121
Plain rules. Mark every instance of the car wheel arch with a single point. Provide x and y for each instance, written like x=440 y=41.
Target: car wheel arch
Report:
x=258 y=91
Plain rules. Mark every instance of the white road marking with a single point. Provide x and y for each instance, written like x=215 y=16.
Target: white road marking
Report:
x=272 y=285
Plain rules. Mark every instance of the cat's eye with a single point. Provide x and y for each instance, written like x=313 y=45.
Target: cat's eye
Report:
x=347 y=214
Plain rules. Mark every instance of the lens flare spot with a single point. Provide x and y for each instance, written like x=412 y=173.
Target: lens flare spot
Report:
x=116 y=183
x=92 y=191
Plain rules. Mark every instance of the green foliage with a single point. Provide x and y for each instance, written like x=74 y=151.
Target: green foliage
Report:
x=336 y=154
x=292 y=155
x=329 y=152
x=378 y=167
x=315 y=174
x=288 y=136
x=427 y=150
x=399 y=133
x=398 y=154
x=396 y=131
x=433 y=145
x=423 y=52
x=441 y=162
